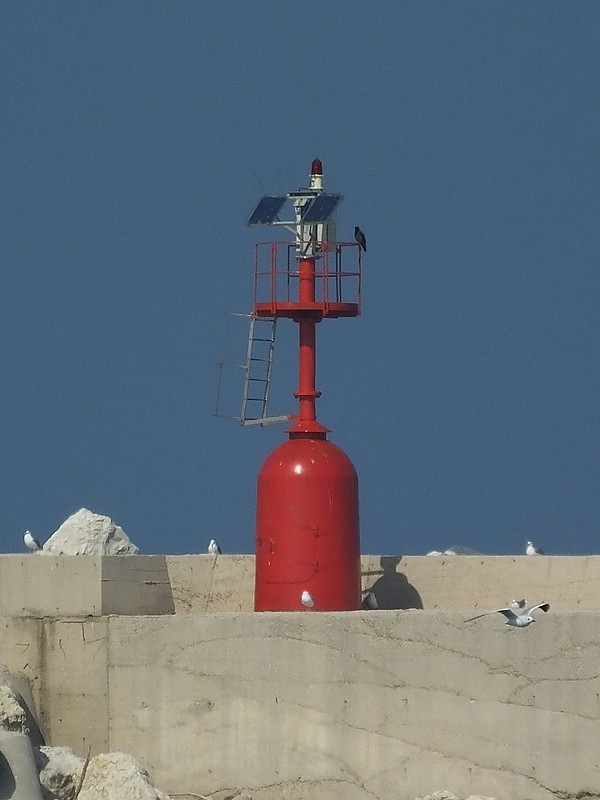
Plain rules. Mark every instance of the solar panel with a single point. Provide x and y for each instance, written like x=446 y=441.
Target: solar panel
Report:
x=321 y=208
x=266 y=211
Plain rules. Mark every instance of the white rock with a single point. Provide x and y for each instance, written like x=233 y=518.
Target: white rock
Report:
x=60 y=772
x=439 y=796
x=87 y=534
x=118 y=776
x=479 y=797
x=12 y=715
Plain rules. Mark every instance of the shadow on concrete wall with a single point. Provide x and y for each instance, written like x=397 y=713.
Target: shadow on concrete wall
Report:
x=392 y=589
x=7 y=780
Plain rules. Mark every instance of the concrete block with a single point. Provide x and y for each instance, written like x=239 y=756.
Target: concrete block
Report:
x=63 y=586
x=46 y=586
x=203 y=584
x=18 y=771
x=74 y=688
x=377 y=704
x=464 y=583
x=137 y=585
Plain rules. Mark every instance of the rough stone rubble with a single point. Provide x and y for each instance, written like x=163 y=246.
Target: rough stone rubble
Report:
x=87 y=534
x=12 y=714
x=451 y=796
x=109 y=776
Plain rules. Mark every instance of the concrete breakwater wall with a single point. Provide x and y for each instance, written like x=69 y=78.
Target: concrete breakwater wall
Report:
x=62 y=586
x=357 y=705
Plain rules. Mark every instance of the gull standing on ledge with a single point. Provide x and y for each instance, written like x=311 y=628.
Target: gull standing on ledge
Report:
x=307 y=600
x=532 y=550
x=520 y=620
x=213 y=548
x=31 y=542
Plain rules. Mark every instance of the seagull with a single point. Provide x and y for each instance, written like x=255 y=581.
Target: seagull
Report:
x=532 y=550
x=516 y=604
x=307 y=599
x=372 y=601
x=31 y=542
x=213 y=548
x=360 y=238
x=521 y=620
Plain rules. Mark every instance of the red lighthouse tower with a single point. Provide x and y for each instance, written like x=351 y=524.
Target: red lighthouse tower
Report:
x=307 y=518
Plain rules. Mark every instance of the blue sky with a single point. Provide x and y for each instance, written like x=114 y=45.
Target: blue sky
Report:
x=464 y=136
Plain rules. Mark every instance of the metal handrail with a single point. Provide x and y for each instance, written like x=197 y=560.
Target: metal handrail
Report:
x=270 y=273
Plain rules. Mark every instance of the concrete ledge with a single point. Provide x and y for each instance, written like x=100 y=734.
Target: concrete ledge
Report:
x=41 y=586
x=201 y=584
x=460 y=583
x=35 y=585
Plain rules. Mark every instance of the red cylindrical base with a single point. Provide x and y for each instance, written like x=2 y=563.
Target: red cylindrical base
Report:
x=307 y=529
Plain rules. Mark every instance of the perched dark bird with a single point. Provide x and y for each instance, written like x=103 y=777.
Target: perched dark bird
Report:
x=360 y=238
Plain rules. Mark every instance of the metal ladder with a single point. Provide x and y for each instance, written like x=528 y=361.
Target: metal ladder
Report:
x=258 y=368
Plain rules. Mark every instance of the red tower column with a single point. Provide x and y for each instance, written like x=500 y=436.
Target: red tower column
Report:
x=307 y=517
x=307 y=361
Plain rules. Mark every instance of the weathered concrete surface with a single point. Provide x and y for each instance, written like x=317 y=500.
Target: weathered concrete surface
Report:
x=136 y=585
x=481 y=582
x=73 y=692
x=362 y=705
x=50 y=586
x=21 y=653
x=65 y=662
x=64 y=586
x=373 y=704
x=202 y=585
x=357 y=705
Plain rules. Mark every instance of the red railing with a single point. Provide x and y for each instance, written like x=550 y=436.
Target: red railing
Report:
x=337 y=279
